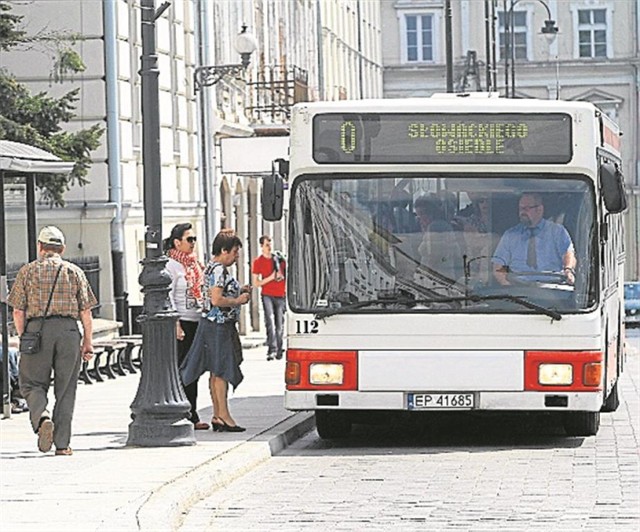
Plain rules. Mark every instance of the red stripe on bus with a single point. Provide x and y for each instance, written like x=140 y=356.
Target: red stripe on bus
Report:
x=348 y=359
x=611 y=138
x=581 y=362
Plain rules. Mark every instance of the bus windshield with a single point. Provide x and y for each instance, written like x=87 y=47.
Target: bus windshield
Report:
x=442 y=243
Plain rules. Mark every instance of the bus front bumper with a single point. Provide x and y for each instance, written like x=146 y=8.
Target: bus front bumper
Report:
x=516 y=401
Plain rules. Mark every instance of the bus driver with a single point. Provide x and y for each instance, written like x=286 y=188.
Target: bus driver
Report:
x=534 y=245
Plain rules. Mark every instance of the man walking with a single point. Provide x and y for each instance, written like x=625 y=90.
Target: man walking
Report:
x=58 y=291
x=268 y=272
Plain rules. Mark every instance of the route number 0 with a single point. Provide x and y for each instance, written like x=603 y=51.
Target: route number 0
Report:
x=348 y=136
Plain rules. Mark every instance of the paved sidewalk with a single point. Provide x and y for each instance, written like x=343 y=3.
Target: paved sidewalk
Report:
x=108 y=486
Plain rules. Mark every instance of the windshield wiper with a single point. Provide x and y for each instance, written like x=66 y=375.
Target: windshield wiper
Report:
x=554 y=314
x=401 y=300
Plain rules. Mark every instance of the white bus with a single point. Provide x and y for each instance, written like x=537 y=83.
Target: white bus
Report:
x=459 y=252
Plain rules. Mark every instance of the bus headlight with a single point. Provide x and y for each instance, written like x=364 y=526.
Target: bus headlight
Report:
x=326 y=374
x=555 y=374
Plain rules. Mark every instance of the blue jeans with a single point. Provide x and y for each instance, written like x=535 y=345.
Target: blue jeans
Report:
x=13 y=362
x=274 y=321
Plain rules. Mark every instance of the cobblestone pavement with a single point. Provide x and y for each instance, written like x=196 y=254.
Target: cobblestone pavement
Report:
x=449 y=473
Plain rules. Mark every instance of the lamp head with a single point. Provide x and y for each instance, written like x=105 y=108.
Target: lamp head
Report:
x=245 y=45
x=550 y=30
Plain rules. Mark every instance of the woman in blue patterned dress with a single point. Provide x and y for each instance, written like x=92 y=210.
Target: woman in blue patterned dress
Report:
x=216 y=347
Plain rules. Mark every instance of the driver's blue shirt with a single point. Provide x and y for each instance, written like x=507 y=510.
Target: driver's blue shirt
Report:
x=552 y=243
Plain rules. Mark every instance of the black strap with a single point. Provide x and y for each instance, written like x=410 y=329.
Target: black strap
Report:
x=46 y=310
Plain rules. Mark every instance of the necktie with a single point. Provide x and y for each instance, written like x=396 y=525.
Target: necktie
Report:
x=532 y=260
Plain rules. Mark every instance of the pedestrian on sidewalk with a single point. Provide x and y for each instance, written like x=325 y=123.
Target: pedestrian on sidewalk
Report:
x=268 y=273
x=50 y=295
x=185 y=294
x=216 y=347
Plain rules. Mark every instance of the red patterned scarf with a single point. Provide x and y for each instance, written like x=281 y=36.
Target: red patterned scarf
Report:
x=193 y=271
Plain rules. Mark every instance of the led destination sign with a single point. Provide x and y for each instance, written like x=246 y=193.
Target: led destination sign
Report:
x=406 y=138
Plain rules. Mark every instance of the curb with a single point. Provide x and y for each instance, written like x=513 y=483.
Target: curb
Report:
x=167 y=506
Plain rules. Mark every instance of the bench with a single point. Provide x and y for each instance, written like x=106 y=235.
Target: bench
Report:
x=112 y=349
x=133 y=341
x=84 y=375
x=112 y=357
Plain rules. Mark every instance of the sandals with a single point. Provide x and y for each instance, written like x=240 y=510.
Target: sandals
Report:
x=64 y=452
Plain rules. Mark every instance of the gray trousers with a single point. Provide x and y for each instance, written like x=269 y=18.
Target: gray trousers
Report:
x=60 y=352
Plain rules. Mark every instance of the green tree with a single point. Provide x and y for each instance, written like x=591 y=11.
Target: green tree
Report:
x=36 y=119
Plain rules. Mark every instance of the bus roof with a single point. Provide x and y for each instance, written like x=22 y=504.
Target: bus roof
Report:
x=565 y=133
x=448 y=103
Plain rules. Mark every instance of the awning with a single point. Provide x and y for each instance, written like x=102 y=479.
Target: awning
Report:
x=22 y=158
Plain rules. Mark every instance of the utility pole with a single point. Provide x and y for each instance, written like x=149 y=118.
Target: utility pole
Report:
x=449 y=45
x=507 y=47
x=487 y=44
x=160 y=409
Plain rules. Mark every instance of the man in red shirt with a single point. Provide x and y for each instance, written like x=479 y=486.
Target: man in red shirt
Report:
x=268 y=273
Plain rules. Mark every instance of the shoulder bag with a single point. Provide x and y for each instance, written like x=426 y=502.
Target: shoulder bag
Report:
x=31 y=341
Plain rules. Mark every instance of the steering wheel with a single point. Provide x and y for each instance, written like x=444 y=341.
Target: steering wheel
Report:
x=524 y=278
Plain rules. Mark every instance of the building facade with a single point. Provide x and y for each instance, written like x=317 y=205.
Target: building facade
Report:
x=306 y=50
x=594 y=57
x=106 y=217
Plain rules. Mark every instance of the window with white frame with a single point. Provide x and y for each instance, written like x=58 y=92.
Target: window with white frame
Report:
x=419 y=38
x=517 y=27
x=592 y=33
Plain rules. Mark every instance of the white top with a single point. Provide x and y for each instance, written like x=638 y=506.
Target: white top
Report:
x=182 y=301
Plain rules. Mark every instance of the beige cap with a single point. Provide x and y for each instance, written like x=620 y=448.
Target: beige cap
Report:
x=51 y=235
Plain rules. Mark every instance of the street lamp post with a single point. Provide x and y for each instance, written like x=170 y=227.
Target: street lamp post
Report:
x=160 y=409
x=549 y=30
x=245 y=44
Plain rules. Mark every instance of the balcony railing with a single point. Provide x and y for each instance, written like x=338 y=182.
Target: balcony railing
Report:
x=274 y=90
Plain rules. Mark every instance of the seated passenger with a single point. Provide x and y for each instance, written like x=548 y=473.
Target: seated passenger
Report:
x=475 y=221
x=476 y=217
x=534 y=245
x=438 y=249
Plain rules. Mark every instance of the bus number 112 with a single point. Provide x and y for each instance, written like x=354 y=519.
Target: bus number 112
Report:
x=306 y=327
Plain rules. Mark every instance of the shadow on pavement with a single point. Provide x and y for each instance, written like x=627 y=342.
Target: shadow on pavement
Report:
x=438 y=433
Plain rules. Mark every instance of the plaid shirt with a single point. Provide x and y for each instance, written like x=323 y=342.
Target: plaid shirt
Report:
x=33 y=284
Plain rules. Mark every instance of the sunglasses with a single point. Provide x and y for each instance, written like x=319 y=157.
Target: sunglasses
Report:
x=191 y=239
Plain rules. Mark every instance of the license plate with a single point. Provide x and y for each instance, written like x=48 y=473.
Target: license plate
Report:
x=442 y=401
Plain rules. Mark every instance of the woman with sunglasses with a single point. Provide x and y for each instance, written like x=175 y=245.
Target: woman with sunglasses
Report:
x=186 y=298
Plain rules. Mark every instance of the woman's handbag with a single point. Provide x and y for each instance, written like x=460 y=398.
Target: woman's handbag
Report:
x=31 y=341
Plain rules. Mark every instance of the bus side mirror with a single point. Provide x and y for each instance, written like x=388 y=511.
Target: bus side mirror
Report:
x=612 y=187
x=273 y=195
